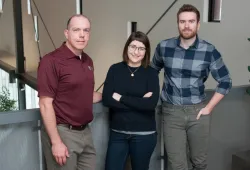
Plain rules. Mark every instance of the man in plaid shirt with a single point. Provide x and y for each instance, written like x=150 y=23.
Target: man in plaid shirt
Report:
x=187 y=61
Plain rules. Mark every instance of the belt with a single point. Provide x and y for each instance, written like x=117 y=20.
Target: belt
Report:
x=166 y=104
x=72 y=127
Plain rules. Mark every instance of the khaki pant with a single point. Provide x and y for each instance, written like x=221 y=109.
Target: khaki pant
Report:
x=182 y=130
x=80 y=146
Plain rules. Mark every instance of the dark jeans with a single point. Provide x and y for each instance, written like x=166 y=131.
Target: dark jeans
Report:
x=138 y=147
x=182 y=130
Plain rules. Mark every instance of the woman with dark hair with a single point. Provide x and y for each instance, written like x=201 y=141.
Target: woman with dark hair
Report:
x=131 y=91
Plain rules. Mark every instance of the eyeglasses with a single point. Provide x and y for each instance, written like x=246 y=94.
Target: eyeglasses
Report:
x=134 y=48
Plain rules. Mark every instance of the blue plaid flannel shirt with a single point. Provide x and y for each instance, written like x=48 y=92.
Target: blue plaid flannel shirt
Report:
x=186 y=70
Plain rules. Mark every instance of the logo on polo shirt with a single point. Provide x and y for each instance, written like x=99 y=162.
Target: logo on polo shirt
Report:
x=90 y=68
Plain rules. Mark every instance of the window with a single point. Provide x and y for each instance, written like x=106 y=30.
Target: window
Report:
x=215 y=10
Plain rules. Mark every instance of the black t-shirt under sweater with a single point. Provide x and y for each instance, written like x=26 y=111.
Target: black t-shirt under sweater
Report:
x=133 y=112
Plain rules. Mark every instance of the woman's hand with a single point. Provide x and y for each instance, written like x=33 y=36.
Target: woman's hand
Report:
x=116 y=96
x=148 y=94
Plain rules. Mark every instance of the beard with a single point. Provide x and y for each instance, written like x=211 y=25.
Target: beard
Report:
x=187 y=35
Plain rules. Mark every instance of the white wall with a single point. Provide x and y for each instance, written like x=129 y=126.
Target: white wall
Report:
x=109 y=28
x=230 y=37
x=109 y=23
x=7 y=34
x=109 y=31
x=54 y=14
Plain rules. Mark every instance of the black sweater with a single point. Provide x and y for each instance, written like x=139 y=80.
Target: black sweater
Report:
x=133 y=112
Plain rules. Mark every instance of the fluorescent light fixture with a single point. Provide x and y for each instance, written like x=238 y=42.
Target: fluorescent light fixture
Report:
x=205 y=10
x=78 y=7
x=129 y=28
x=29 y=7
x=36 y=29
x=1 y=6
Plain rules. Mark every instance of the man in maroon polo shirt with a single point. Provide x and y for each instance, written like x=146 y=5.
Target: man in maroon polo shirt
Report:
x=66 y=94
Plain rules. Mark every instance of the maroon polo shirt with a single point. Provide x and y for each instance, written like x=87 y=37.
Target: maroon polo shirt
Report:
x=69 y=80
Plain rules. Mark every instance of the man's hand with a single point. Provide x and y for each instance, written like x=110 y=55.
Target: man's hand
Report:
x=60 y=152
x=97 y=97
x=148 y=94
x=203 y=111
x=116 y=96
x=210 y=106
